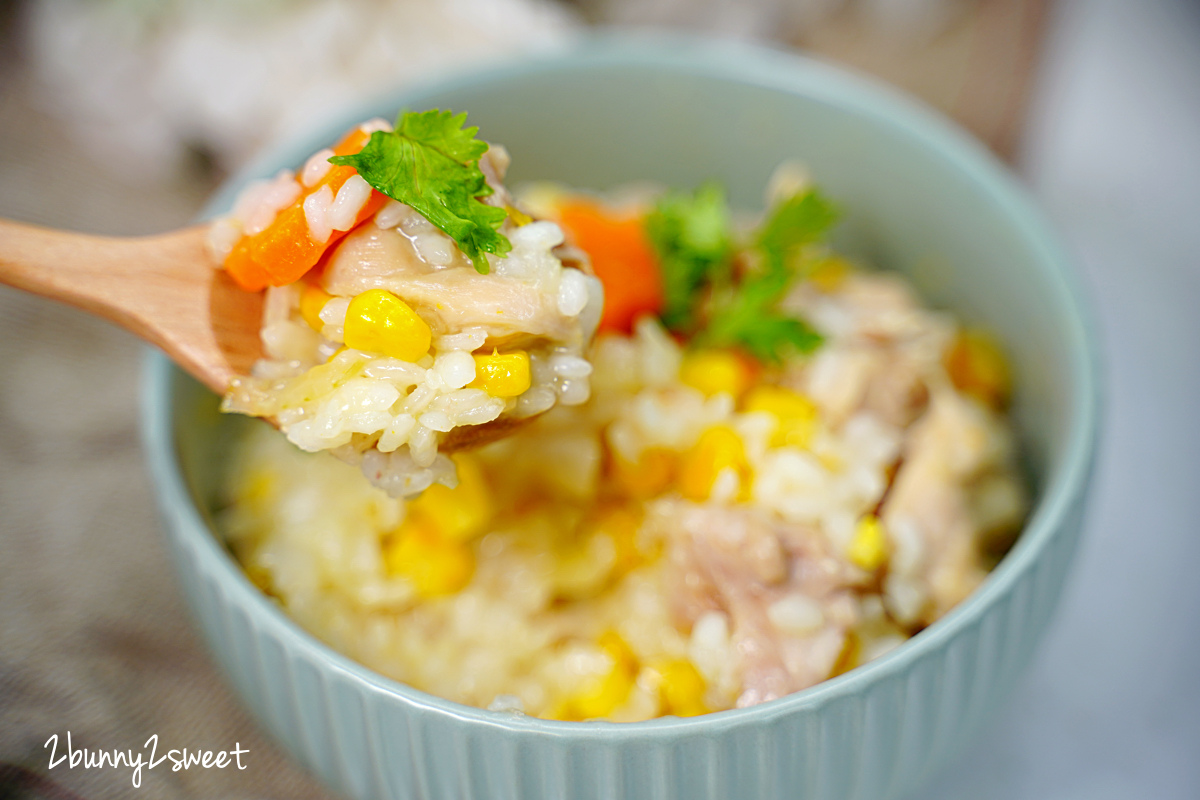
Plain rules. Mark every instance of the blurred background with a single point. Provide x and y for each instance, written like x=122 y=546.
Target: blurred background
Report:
x=121 y=116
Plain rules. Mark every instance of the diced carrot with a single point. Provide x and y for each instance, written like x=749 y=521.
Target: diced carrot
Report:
x=351 y=143
x=284 y=252
x=622 y=258
x=242 y=267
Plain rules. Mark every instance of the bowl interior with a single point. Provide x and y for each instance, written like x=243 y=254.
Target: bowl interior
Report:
x=917 y=196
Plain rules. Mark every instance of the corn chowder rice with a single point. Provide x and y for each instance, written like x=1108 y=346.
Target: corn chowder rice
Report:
x=389 y=330
x=772 y=481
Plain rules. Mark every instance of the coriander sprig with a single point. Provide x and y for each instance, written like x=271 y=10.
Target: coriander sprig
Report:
x=703 y=297
x=431 y=162
x=693 y=237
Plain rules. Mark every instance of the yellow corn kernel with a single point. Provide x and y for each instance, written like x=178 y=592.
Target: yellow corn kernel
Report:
x=503 y=374
x=559 y=710
x=258 y=487
x=830 y=273
x=518 y=217
x=795 y=415
x=435 y=566
x=605 y=549
x=831 y=461
x=719 y=448
x=582 y=568
x=606 y=694
x=869 y=547
x=850 y=656
x=622 y=526
x=543 y=199
x=651 y=475
x=716 y=371
x=260 y=576
x=461 y=513
x=379 y=322
x=312 y=300
x=681 y=689
x=977 y=366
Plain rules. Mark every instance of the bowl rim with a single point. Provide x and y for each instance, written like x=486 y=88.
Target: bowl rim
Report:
x=754 y=65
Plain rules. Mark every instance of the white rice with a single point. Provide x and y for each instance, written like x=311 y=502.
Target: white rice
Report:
x=316 y=168
x=525 y=634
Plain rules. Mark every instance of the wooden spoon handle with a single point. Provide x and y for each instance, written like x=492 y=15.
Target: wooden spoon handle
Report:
x=163 y=289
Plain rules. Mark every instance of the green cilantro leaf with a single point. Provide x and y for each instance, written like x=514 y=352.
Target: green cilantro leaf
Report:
x=750 y=319
x=767 y=335
x=749 y=316
x=800 y=220
x=431 y=162
x=693 y=237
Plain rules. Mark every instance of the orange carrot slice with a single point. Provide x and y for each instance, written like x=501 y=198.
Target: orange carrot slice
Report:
x=284 y=252
x=622 y=258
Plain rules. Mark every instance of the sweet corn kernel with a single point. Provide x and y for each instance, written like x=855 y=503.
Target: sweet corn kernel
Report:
x=716 y=371
x=719 y=448
x=606 y=548
x=379 y=322
x=461 y=513
x=618 y=650
x=433 y=565
x=850 y=656
x=583 y=565
x=609 y=692
x=869 y=547
x=258 y=487
x=503 y=374
x=977 y=366
x=681 y=689
x=830 y=273
x=518 y=217
x=312 y=300
x=795 y=414
x=260 y=576
x=651 y=475
x=622 y=526
x=543 y=199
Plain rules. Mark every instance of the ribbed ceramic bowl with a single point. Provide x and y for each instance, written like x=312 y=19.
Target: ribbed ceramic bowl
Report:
x=920 y=197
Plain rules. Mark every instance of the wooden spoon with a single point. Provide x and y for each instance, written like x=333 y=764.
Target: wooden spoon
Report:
x=163 y=289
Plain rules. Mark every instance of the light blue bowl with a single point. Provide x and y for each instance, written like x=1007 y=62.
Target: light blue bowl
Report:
x=920 y=197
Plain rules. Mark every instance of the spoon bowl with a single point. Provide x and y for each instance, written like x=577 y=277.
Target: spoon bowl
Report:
x=164 y=289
